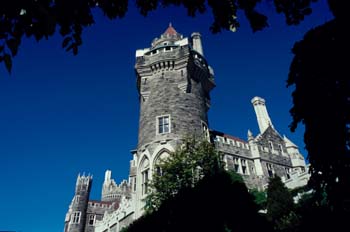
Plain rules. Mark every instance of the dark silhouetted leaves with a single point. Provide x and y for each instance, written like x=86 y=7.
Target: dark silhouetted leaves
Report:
x=8 y=62
x=12 y=44
x=217 y=203
x=321 y=101
x=40 y=18
x=66 y=41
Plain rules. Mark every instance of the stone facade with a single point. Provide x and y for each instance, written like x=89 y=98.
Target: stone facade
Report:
x=174 y=82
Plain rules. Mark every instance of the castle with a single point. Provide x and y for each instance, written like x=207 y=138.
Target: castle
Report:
x=174 y=82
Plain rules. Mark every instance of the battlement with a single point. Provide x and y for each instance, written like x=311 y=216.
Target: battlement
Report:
x=225 y=139
x=83 y=183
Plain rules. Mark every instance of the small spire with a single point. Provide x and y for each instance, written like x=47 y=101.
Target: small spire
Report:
x=170 y=30
x=250 y=135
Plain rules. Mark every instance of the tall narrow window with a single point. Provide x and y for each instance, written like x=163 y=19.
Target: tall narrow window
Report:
x=159 y=170
x=269 y=169
x=288 y=173
x=163 y=124
x=280 y=148
x=236 y=165
x=145 y=181
x=205 y=131
x=270 y=145
x=134 y=184
x=76 y=217
x=92 y=218
x=244 y=167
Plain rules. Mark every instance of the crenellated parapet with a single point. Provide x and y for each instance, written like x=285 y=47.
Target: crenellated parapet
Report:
x=111 y=191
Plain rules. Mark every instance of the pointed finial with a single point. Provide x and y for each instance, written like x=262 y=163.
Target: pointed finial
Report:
x=250 y=135
x=170 y=25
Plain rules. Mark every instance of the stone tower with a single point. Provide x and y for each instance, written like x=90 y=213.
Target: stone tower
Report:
x=76 y=216
x=174 y=82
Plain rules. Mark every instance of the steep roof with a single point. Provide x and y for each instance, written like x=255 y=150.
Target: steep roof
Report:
x=288 y=142
x=170 y=30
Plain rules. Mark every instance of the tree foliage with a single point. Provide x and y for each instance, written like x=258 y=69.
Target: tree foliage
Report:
x=260 y=198
x=41 y=18
x=322 y=103
x=218 y=202
x=183 y=169
x=280 y=204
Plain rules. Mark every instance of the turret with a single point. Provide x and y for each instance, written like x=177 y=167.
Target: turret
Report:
x=111 y=191
x=262 y=115
x=174 y=84
x=76 y=216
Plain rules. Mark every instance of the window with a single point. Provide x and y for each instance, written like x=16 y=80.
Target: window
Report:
x=92 y=218
x=205 y=130
x=244 y=167
x=145 y=181
x=77 y=198
x=164 y=124
x=269 y=169
x=236 y=165
x=280 y=148
x=76 y=217
x=134 y=184
x=287 y=172
x=159 y=170
x=270 y=145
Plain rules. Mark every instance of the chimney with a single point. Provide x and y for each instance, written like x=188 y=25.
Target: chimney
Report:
x=197 y=42
x=262 y=116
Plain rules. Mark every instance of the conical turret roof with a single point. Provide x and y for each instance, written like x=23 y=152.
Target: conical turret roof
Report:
x=170 y=31
x=170 y=35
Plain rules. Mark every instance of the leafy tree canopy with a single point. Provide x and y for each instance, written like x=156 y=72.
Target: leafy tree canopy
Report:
x=260 y=198
x=183 y=169
x=218 y=202
x=41 y=18
x=322 y=102
x=280 y=202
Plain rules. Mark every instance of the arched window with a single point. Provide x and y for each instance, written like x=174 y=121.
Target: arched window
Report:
x=145 y=175
x=163 y=154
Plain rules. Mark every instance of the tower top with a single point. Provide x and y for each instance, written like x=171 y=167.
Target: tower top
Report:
x=262 y=115
x=169 y=36
x=170 y=31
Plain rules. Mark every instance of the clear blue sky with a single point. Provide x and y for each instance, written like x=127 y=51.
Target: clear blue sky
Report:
x=61 y=115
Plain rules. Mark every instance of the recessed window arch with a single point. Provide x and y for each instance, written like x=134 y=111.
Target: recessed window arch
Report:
x=161 y=156
x=145 y=172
